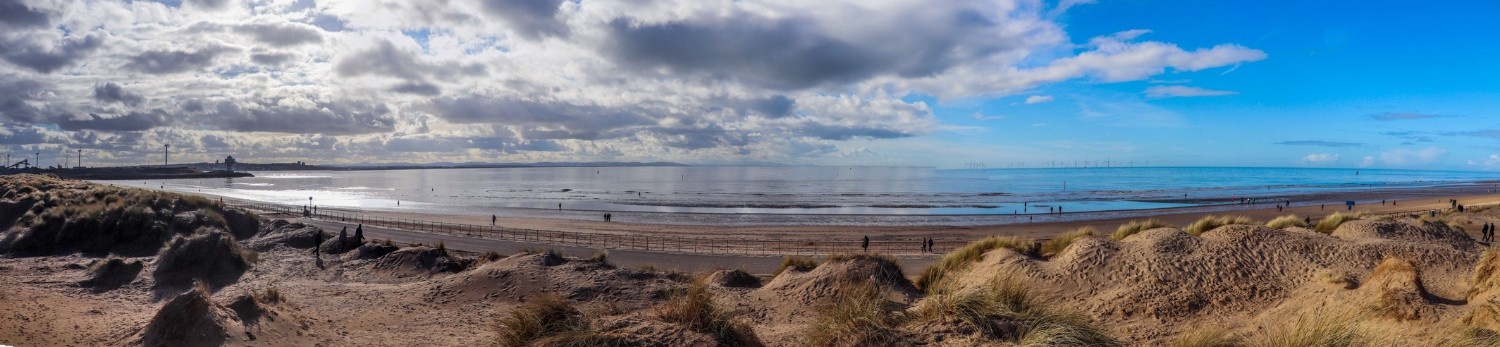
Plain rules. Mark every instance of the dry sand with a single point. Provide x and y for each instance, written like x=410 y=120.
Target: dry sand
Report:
x=1406 y=281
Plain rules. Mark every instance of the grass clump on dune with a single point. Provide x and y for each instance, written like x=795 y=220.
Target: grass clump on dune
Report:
x=961 y=257
x=695 y=309
x=1007 y=310
x=1209 y=223
x=800 y=264
x=546 y=321
x=1137 y=226
x=1287 y=221
x=1058 y=244
x=1332 y=221
x=859 y=316
x=1316 y=329
x=601 y=257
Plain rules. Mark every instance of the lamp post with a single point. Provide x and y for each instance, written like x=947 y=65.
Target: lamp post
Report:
x=164 y=154
x=80 y=158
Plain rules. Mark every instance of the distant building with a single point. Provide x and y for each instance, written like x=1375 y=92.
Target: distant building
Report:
x=229 y=164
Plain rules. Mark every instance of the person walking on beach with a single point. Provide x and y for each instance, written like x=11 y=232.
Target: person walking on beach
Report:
x=344 y=238
x=317 y=242
x=865 y=245
x=492 y=220
x=929 y=244
x=359 y=233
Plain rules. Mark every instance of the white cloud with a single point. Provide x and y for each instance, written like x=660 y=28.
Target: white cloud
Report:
x=981 y=116
x=1493 y=161
x=556 y=80
x=1183 y=91
x=1406 y=157
x=1321 y=158
x=1367 y=162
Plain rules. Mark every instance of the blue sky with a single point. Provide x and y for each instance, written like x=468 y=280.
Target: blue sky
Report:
x=1407 y=84
x=839 y=82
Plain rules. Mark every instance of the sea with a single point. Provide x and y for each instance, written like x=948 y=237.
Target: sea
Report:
x=859 y=195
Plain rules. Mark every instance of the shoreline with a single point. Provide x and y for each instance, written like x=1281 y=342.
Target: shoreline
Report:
x=1363 y=197
x=947 y=236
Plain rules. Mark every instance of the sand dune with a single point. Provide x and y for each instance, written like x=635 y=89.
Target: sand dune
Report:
x=1372 y=281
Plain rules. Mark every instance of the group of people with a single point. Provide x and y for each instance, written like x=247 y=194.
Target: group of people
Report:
x=359 y=237
x=927 y=243
x=1487 y=233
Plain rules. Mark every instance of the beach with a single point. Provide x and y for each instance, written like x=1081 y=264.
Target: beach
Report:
x=207 y=273
x=948 y=237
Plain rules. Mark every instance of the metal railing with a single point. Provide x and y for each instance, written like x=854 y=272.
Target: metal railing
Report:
x=663 y=243
x=713 y=245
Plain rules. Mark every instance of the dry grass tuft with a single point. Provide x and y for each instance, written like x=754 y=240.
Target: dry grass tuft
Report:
x=542 y=317
x=1287 y=221
x=795 y=263
x=1008 y=310
x=961 y=257
x=694 y=308
x=1061 y=242
x=600 y=257
x=487 y=257
x=1316 y=329
x=1332 y=221
x=1342 y=278
x=270 y=295
x=859 y=256
x=1137 y=226
x=859 y=316
x=1209 y=223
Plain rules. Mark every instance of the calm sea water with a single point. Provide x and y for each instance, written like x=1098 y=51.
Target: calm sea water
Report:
x=839 y=191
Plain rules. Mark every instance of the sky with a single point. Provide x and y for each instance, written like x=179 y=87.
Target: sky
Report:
x=948 y=84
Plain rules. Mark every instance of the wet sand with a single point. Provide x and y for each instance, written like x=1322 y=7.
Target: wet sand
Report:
x=948 y=236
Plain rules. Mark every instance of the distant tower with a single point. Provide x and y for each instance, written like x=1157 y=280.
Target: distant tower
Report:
x=229 y=164
x=164 y=154
x=80 y=158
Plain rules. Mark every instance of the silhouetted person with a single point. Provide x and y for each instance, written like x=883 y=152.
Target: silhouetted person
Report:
x=865 y=244
x=344 y=237
x=359 y=232
x=929 y=244
x=1308 y=220
x=492 y=219
x=317 y=241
